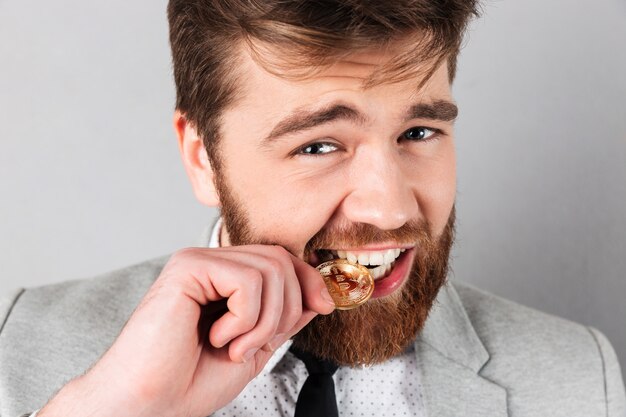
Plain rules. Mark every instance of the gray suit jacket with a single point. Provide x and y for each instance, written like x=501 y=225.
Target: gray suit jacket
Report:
x=479 y=355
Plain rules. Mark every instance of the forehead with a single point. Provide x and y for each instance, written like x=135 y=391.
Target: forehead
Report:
x=267 y=96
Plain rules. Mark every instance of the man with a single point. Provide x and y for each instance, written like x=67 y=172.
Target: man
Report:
x=323 y=130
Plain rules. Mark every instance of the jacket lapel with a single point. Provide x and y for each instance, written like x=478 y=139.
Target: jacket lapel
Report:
x=450 y=356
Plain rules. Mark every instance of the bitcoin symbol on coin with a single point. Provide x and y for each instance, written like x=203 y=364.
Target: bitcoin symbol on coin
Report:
x=350 y=285
x=340 y=282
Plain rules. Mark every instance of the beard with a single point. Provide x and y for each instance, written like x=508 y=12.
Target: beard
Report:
x=381 y=328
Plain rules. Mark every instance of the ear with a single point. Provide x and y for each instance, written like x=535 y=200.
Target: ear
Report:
x=196 y=161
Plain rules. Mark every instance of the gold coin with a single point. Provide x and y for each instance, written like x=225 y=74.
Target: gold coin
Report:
x=350 y=285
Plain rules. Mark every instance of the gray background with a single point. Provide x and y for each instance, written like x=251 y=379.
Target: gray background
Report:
x=90 y=178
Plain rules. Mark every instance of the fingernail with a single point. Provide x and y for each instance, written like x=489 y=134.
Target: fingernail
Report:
x=249 y=354
x=326 y=296
x=276 y=341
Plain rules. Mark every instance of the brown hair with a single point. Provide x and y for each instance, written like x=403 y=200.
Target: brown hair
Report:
x=206 y=37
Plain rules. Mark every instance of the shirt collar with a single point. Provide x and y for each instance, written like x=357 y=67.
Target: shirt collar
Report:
x=214 y=236
x=210 y=235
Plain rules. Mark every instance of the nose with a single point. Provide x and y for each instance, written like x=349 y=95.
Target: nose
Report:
x=381 y=192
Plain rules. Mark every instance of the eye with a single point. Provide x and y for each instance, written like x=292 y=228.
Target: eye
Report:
x=419 y=133
x=318 y=148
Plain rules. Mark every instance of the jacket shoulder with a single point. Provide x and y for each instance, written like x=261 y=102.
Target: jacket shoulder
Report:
x=535 y=354
x=53 y=333
x=499 y=321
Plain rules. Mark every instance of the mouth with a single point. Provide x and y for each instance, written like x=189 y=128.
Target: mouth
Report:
x=389 y=267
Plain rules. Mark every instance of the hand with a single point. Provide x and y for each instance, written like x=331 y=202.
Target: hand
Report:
x=177 y=356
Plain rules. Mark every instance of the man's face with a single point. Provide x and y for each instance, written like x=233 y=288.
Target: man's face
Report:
x=352 y=164
x=327 y=168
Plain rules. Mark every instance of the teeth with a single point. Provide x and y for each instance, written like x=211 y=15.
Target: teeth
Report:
x=380 y=271
x=351 y=257
x=389 y=256
x=378 y=258
x=379 y=263
x=381 y=257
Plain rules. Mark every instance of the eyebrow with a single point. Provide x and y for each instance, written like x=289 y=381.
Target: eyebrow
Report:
x=301 y=119
x=306 y=119
x=440 y=110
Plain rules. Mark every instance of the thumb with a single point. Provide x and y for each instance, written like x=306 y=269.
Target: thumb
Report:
x=315 y=295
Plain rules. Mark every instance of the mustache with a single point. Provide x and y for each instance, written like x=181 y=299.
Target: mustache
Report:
x=360 y=234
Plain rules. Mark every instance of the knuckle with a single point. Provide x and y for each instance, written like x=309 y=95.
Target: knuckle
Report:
x=272 y=269
x=254 y=278
x=280 y=252
x=248 y=322
x=275 y=268
x=184 y=253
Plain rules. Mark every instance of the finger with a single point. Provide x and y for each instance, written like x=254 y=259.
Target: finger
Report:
x=292 y=309
x=314 y=292
x=292 y=298
x=276 y=261
x=272 y=263
x=244 y=346
x=305 y=319
x=275 y=267
x=315 y=295
x=242 y=285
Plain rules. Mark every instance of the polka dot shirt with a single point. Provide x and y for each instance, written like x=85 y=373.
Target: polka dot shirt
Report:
x=389 y=389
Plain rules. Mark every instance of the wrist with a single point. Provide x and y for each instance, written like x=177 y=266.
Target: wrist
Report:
x=83 y=396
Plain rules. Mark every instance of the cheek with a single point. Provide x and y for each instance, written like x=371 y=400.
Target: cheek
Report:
x=433 y=181
x=284 y=206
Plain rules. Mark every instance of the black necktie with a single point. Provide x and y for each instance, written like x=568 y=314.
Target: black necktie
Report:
x=317 y=396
